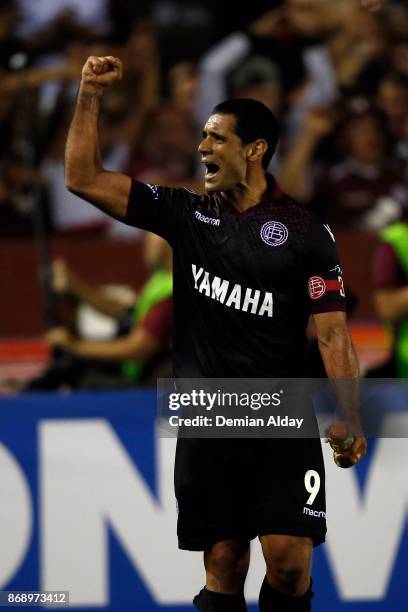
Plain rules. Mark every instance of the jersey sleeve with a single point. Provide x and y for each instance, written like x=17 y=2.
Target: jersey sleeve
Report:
x=322 y=271
x=156 y=209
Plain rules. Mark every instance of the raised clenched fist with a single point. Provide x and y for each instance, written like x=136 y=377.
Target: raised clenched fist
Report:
x=101 y=71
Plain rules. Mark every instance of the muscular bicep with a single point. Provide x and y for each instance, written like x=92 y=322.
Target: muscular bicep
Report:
x=109 y=191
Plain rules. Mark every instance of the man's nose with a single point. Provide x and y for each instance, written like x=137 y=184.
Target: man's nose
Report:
x=204 y=146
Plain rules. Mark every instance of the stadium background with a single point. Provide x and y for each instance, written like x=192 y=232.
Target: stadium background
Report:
x=337 y=75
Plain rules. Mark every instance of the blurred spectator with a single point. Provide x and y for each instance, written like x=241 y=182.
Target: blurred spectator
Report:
x=140 y=353
x=363 y=191
x=21 y=189
x=393 y=100
x=358 y=48
x=346 y=51
x=258 y=78
x=182 y=84
x=183 y=24
x=36 y=16
x=400 y=55
x=397 y=15
x=390 y=283
x=167 y=150
x=124 y=14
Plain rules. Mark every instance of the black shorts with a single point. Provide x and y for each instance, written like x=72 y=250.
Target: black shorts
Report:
x=243 y=488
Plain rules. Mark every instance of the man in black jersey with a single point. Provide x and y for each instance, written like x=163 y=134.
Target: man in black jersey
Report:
x=250 y=265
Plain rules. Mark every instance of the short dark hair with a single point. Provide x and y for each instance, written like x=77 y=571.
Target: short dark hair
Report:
x=253 y=120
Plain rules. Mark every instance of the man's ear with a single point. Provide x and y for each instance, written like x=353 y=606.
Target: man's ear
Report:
x=257 y=149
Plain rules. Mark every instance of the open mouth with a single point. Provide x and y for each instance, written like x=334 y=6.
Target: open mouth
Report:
x=211 y=170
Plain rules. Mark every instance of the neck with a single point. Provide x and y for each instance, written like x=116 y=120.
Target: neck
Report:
x=248 y=193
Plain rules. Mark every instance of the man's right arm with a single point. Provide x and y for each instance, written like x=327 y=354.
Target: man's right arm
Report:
x=84 y=173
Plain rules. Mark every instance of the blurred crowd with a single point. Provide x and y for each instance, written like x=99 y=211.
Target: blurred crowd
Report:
x=334 y=72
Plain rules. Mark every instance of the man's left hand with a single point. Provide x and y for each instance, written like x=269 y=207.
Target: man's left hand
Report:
x=350 y=456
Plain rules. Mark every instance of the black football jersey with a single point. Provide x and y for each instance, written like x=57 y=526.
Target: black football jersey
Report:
x=244 y=283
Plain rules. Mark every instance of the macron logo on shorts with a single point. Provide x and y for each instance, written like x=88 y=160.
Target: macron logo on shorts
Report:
x=314 y=513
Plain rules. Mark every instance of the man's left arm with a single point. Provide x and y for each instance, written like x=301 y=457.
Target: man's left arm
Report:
x=324 y=279
x=335 y=345
x=341 y=365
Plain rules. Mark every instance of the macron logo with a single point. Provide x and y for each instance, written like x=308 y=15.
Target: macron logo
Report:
x=204 y=219
x=314 y=513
